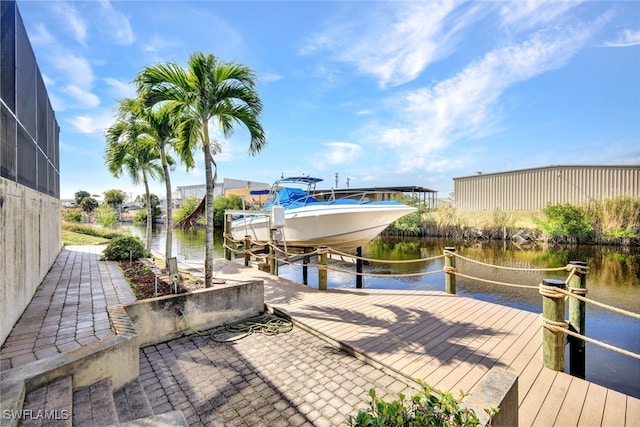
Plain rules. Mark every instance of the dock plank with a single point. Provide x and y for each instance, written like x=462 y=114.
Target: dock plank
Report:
x=593 y=409
x=553 y=402
x=615 y=409
x=571 y=408
x=633 y=411
x=536 y=395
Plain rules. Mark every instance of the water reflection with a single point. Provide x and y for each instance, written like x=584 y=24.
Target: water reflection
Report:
x=614 y=279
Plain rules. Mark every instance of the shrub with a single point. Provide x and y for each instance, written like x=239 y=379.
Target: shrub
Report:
x=426 y=408
x=118 y=249
x=72 y=215
x=566 y=220
x=141 y=215
x=222 y=203
x=184 y=210
x=106 y=215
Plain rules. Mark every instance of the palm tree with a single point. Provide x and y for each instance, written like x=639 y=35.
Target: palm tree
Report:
x=162 y=131
x=129 y=150
x=207 y=90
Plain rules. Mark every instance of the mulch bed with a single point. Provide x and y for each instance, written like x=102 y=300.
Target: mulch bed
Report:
x=143 y=279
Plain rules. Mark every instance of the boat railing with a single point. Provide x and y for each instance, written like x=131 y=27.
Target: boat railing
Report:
x=360 y=197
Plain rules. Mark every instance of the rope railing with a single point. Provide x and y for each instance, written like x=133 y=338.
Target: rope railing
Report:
x=386 y=261
x=563 y=327
x=501 y=267
x=571 y=292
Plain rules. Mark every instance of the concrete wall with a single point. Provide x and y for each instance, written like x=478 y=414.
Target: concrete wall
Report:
x=30 y=240
x=160 y=319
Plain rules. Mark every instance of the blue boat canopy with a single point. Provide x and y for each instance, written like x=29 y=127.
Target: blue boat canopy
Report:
x=290 y=198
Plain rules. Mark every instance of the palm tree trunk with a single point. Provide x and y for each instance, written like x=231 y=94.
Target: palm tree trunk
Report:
x=167 y=181
x=208 y=238
x=149 y=212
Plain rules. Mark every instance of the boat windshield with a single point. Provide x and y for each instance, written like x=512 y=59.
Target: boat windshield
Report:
x=290 y=198
x=285 y=193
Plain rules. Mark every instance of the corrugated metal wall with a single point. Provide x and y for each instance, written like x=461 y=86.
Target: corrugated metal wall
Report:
x=534 y=189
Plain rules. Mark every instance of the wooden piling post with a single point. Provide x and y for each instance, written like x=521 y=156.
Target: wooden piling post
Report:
x=359 y=276
x=273 y=262
x=577 y=312
x=305 y=266
x=552 y=317
x=247 y=250
x=227 y=242
x=322 y=268
x=449 y=270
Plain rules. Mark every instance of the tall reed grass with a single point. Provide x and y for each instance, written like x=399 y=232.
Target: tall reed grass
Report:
x=615 y=218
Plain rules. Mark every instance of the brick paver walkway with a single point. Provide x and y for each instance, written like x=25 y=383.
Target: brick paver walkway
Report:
x=291 y=379
x=70 y=308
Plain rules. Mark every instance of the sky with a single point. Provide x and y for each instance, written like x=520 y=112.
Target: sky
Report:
x=379 y=93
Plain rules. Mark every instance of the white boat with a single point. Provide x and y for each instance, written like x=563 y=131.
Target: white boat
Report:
x=307 y=221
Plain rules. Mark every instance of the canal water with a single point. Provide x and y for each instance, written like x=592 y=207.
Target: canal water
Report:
x=613 y=279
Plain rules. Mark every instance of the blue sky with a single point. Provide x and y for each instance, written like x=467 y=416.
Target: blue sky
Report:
x=382 y=93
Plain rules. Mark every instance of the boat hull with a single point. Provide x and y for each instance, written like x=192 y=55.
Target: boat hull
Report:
x=346 y=227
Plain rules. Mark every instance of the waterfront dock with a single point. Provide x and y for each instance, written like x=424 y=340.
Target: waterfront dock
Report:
x=448 y=341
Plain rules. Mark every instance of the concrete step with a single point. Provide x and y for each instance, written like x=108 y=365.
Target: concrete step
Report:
x=49 y=405
x=132 y=402
x=94 y=405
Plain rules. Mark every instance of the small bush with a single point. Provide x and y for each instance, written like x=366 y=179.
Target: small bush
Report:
x=72 y=215
x=106 y=215
x=426 y=408
x=566 y=220
x=118 y=249
x=184 y=210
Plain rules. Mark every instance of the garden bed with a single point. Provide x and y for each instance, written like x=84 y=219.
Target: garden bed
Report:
x=142 y=279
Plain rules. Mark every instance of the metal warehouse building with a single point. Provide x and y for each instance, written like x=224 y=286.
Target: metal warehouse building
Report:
x=534 y=189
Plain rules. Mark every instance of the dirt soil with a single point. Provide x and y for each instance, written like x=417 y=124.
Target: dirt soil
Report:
x=143 y=279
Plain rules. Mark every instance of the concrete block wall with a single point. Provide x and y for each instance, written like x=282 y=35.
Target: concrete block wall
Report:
x=30 y=240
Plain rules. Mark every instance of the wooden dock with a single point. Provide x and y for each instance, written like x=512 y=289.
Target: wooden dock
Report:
x=450 y=342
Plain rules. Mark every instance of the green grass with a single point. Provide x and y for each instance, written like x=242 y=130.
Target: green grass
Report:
x=72 y=238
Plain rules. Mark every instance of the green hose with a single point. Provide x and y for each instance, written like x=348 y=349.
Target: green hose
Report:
x=266 y=324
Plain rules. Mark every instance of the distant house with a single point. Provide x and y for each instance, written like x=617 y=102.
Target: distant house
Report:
x=533 y=189
x=227 y=187
x=183 y=192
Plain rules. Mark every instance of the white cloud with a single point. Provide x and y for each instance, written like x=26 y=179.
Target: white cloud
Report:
x=41 y=36
x=626 y=38
x=466 y=105
x=83 y=97
x=72 y=20
x=269 y=77
x=115 y=23
x=96 y=123
x=526 y=14
x=75 y=68
x=395 y=42
x=120 y=89
x=337 y=153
